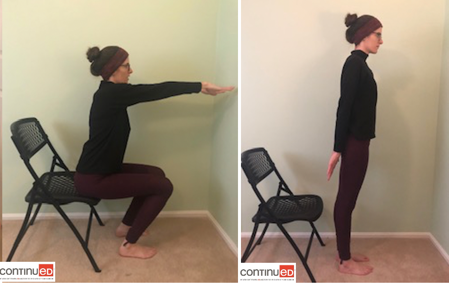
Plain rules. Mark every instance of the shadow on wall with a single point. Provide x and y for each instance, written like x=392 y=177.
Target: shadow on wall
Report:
x=310 y=176
x=390 y=166
x=149 y=116
x=309 y=166
x=177 y=126
x=70 y=137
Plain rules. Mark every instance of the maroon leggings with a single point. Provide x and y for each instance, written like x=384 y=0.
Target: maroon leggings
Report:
x=147 y=184
x=354 y=162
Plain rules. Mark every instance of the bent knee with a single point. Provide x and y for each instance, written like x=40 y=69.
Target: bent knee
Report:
x=168 y=187
x=158 y=171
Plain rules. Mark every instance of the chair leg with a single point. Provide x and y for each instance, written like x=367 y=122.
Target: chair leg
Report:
x=317 y=234
x=89 y=224
x=78 y=236
x=35 y=214
x=22 y=232
x=298 y=252
x=97 y=216
x=263 y=234
x=249 y=248
x=309 y=245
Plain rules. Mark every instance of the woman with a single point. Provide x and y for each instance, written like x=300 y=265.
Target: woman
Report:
x=101 y=172
x=355 y=126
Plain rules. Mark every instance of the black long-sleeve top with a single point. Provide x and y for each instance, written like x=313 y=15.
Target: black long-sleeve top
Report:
x=109 y=125
x=356 y=113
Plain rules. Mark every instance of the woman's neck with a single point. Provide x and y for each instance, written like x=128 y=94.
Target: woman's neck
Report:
x=361 y=48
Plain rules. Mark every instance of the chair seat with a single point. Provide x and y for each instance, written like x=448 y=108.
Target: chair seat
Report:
x=62 y=187
x=291 y=208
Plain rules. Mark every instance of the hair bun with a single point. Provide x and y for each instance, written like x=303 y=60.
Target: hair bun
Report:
x=350 y=19
x=93 y=53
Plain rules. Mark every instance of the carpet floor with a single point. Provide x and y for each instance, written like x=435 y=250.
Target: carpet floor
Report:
x=189 y=250
x=393 y=259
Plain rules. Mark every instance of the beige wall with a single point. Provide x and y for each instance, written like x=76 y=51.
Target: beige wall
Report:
x=1 y=115
x=292 y=54
x=440 y=220
x=223 y=196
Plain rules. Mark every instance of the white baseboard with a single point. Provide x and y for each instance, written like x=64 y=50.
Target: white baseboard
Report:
x=108 y=215
x=440 y=248
x=331 y=235
x=354 y=235
x=223 y=234
x=111 y=215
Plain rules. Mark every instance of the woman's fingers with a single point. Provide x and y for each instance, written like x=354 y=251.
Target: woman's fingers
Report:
x=227 y=89
x=330 y=170
x=333 y=161
x=218 y=90
x=211 y=89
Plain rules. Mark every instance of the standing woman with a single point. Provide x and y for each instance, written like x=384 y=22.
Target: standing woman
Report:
x=355 y=127
x=101 y=172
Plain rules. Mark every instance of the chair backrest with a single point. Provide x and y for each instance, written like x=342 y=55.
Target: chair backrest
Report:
x=29 y=138
x=257 y=165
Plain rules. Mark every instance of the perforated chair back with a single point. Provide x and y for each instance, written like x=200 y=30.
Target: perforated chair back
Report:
x=29 y=138
x=257 y=165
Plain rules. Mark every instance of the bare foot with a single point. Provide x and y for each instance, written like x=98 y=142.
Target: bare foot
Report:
x=352 y=267
x=356 y=257
x=123 y=229
x=136 y=251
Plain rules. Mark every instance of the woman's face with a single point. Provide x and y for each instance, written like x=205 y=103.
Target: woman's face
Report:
x=121 y=75
x=371 y=43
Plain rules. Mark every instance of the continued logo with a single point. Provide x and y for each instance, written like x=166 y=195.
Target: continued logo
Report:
x=286 y=271
x=45 y=270
x=27 y=272
x=273 y=272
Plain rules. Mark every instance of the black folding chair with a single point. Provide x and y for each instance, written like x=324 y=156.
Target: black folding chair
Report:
x=279 y=209
x=54 y=187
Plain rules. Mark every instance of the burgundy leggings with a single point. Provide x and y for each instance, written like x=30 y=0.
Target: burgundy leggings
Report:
x=147 y=184
x=354 y=162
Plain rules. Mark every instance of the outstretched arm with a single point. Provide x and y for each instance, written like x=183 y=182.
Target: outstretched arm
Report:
x=213 y=90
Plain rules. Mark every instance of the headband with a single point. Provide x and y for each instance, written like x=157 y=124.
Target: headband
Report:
x=366 y=30
x=113 y=63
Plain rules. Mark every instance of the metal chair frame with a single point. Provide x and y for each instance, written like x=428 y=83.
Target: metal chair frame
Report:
x=53 y=187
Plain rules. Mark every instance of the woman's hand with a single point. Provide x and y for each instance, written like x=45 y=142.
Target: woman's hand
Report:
x=335 y=157
x=213 y=90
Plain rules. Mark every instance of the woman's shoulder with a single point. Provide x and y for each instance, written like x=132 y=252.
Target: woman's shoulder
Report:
x=354 y=62
x=110 y=88
x=107 y=85
x=354 y=59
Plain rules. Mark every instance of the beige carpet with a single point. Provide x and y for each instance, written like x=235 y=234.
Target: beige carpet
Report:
x=189 y=250
x=393 y=259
